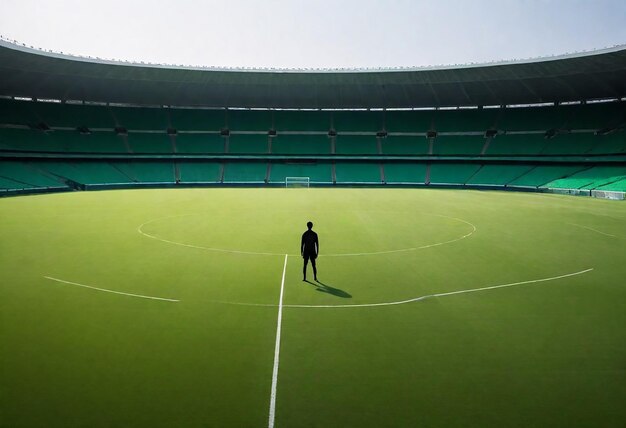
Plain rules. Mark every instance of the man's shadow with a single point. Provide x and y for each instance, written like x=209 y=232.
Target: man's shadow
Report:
x=325 y=288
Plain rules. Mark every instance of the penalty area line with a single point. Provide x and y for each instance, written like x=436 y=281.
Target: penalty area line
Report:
x=141 y=296
x=272 y=415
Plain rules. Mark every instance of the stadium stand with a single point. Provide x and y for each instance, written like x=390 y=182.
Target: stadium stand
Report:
x=405 y=145
x=358 y=172
x=498 y=175
x=27 y=176
x=405 y=172
x=356 y=145
x=458 y=145
x=199 y=143
x=301 y=145
x=452 y=173
x=478 y=129
x=540 y=175
x=248 y=144
x=200 y=172
x=364 y=121
x=516 y=144
x=318 y=173
x=302 y=121
x=149 y=143
x=140 y=118
x=245 y=172
x=591 y=178
x=189 y=119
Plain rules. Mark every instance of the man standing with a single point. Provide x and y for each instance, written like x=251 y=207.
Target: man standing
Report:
x=309 y=248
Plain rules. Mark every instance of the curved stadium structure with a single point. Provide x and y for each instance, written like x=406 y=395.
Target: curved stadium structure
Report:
x=81 y=123
x=431 y=305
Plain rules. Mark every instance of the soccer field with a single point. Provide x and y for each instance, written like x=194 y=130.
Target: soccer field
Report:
x=435 y=308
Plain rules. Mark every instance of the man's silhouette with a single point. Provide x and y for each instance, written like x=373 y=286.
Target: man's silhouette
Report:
x=309 y=248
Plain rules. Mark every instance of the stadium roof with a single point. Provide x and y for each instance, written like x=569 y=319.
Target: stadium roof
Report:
x=29 y=72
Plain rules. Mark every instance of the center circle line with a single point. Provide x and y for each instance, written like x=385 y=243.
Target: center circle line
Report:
x=258 y=253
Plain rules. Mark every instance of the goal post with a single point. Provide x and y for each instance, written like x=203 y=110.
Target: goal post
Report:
x=608 y=194
x=297 y=181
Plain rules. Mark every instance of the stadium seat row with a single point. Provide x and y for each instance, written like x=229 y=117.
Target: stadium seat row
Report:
x=29 y=140
x=590 y=116
x=62 y=174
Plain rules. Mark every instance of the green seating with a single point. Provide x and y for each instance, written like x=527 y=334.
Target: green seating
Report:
x=245 y=172
x=8 y=184
x=616 y=186
x=150 y=143
x=356 y=145
x=590 y=178
x=451 y=173
x=409 y=121
x=200 y=172
x=458 y=145
x=405 y=145
x=301 y=120
x=199 y=143
x=17 y=113
x=317 y=172
x=358 y=121
x=28 y=140
x=74 y=115
x=249 y=120
x=84 y=172
x=301 y=145
x=30 y=175
x=464 y=120
x=609 y=144
x=498 y=175
x=569 y=144
x=197 y=119
x=405 y=172
x=532 y=119
x=358 y=172
x=542 y=174
x=96 y=142
x=60 y=141
x=596 y=115
x=144 y=118
x=147 y=172
x=248 y=144
x=517 y=144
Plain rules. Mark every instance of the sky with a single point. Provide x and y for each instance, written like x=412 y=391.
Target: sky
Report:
x=315 y=33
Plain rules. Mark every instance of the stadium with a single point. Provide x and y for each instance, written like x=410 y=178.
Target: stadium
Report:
x=473 y=244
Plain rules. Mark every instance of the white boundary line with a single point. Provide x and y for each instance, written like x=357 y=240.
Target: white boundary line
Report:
x=272 y=415
x=222 y=250
x=592 y=229
x=110 y=291
x=416 y=299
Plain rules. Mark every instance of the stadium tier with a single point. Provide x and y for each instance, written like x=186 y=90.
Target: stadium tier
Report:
x=52 y=145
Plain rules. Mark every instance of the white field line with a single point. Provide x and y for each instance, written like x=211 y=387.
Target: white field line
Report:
x=256 y=253
x=416 y=299
x=592 y=229
x=272 y=415
x=110 y=291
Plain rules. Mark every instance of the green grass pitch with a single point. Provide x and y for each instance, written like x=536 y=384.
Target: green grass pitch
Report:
x=549 y=353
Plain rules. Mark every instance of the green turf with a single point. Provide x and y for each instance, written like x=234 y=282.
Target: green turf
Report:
x=541 y=354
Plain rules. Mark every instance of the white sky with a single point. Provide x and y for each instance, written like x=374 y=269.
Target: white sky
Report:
x=315 y=33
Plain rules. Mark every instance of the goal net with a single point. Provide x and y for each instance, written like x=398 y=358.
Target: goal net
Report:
x=296 y=181
x=606 y=194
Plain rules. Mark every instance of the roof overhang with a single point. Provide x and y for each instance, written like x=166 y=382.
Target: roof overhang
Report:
x=28 y=72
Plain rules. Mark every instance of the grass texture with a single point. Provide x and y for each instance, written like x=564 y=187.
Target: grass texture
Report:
x=546 y=353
